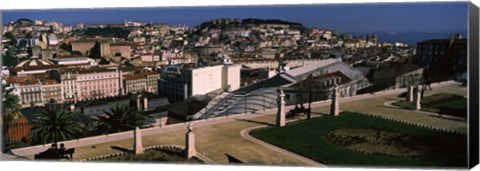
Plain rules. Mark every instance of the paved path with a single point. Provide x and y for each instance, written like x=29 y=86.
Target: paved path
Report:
x=376 y=105
x=390 y=104
x=218 y=136
x=212 y=141
x=4 y=156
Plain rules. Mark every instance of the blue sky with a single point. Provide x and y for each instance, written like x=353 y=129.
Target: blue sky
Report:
x=392 y=17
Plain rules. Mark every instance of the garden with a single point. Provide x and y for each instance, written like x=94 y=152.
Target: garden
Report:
x=170 y=155
x=357 y=139
x=442 y=103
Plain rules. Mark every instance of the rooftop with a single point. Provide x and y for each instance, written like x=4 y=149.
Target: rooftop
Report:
x=150 y=73
x=49 y=82
x=86 y=70
x=69 y=59
x=33 y=62
x=328 y=67
x=121 y=44
x=83 y=41
x=134 y=76
x=22 y=80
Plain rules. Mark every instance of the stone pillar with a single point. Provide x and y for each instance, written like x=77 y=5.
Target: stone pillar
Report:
x=416 y=98
x=281 y=109
x=139 y=105
x=334 y=107
x=185 y=91
x=190 y=143
x=137 y=143
x=121 y=90
x=410 y=94
x=72 y=107
x=145 y=103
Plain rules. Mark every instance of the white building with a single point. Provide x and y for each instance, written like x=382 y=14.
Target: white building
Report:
x=203 y=80
x=5 y=71
x=52 y=39
x=86 y=84
x=27 y=88
x=179 y=83
x=231 y=77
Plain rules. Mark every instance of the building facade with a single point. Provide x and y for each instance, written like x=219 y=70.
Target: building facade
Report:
x=97 y=83
x=443 y=56
x=120 y=49
x=178 y=83
x=51 y=89
x=81 y=84
x=151 y=79
x=83 y=46
x=27 y=88
x=231 y=77
x=134 y=83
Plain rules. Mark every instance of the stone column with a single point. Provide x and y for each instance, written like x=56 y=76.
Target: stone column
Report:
x=334 y=107
x=145 y=103
x=139 y=105
x=416 y=98
x=72 y=107
x=137 y=143
x=190 y=143
x=410 y=94
x=185 y=92
x=281 y=109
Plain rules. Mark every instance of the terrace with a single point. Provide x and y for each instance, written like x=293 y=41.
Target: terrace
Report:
x=229 y=134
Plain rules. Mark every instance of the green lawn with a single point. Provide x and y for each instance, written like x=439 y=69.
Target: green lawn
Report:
x=456 y=104
x=450 y=104
x=308 y=138
x=156 y=155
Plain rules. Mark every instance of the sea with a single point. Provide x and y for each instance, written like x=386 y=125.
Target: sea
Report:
x=411 y=38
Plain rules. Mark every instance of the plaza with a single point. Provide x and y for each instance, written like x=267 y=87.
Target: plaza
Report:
x=217 y=137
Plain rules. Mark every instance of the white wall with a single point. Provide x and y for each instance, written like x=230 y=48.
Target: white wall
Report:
x=231 y=76
x=206 y=79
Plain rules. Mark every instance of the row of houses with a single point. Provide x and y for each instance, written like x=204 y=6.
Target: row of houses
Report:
x=70 y=84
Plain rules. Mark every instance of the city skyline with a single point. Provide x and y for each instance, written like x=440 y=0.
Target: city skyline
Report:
x=382 y=17
x=384 y=85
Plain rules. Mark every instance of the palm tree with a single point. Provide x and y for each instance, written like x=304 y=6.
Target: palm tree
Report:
x=11 y=106
x=120 y=118
x=56 y=123
x=11 y=111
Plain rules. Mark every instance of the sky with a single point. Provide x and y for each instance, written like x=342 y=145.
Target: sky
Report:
x=386 y=17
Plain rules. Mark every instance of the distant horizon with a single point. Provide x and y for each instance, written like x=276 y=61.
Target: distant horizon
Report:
x=361 y=18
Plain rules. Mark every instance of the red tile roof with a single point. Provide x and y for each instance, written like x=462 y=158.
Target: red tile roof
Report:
x=151 y=73
x=22 y=80
x=133 y=76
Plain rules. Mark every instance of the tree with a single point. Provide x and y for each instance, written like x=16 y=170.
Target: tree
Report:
x=11 y=38
x=11 y=106
x=120 y=118
x=9 y=35
x=24 y=22
x=56 y=123
x=29 y=35
x=11 y=111
x=65 y=46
